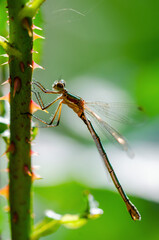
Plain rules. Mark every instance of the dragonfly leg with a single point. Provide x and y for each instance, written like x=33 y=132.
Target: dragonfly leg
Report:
x=41 y=87
x=57 y=110
x=50 y=124
x=38 y=97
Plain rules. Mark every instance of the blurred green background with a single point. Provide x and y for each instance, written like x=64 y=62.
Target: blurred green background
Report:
x=105 y=50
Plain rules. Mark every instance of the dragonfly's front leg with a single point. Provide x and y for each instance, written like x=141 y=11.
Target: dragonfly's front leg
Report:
x=50 y=124
x=43 y=107
x=39 y=85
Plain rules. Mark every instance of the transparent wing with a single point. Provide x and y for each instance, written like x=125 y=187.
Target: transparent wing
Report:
x=108 y=129
x=119 y=112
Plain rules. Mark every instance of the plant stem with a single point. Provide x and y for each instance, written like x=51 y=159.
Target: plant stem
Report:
x=20 y=97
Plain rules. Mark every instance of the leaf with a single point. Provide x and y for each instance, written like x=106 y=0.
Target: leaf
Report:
x=73 y=221
x=38 y=44
x=3 y=124
x=45 y=228
x=3 y=18
x=34 y=132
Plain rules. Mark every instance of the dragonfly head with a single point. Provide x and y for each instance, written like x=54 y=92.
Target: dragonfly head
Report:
x=59 y=85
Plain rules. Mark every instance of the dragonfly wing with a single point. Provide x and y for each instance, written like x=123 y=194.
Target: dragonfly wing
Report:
x=114 y=133
x=118 y=112
x=118 y=137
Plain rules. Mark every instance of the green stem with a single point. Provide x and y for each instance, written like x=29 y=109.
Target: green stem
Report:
x=30 y=9
x=20 y=161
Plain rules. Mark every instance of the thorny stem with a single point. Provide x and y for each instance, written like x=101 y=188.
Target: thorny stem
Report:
x=20 y=161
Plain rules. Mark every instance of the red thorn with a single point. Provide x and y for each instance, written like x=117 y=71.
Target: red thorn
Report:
x=5 y=170
x=35 y=65
x=32 y=153
x=36 y=36
x=35 y=27
x=27 y=171
x=17 y=85
x=31 y=173
x=22 y=66
x=35 y=176
x=11 y=149
x=27 y=27
x=34 y=107
x=6 y=97
x=5 y=191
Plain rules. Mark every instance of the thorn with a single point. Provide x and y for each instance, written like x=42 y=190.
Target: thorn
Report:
x=17 y=85
x=33 y=51
x=5 y=170
x=35 y=176
x=27 y=27
x=4 y=55
x=6 y=97
x=5 y=63
x=35 y=107
x=27 y=171
x=7 y=81
x=5 y=191
x=32 y=153
x=31 y=173
x=11 y=149
x=36 y=36
x=35 y=27
x=35 y=65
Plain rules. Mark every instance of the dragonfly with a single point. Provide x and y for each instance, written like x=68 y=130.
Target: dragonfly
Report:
x=82 y=109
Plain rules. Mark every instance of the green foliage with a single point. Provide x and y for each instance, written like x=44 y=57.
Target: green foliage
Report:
x=119 y=48
x=38 y=44
x=53 y=221
x=3 y=25
x=3 y=124
x=114 y=224
x=3 y=17
x=148 y=85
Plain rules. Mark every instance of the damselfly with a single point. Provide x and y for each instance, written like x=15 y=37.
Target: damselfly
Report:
x=82 y=109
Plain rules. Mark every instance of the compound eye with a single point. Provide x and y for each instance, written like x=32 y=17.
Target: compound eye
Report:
x=59 y=85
